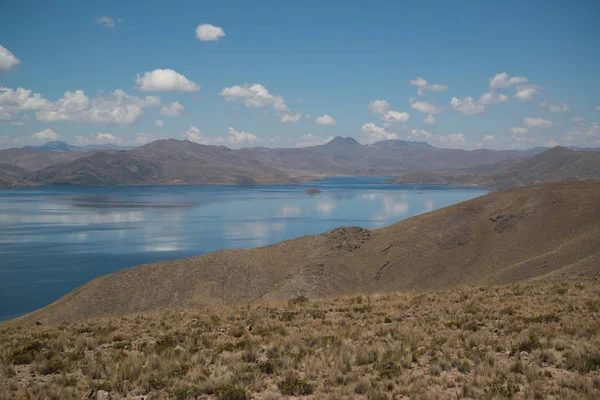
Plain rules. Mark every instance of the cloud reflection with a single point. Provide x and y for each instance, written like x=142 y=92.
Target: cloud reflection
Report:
x=390 y=208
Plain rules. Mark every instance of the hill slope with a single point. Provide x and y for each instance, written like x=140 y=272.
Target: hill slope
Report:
x=161 y=162
x=183 y=162
x=532 y=341
x=555 y=165
x=31 y=159
x=547 y=231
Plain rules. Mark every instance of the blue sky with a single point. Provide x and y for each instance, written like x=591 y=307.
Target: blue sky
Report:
x=279 y=68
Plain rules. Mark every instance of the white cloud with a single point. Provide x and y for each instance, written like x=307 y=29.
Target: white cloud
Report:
x=165 y=80
x=255 y=96
x=326 y=120
x=517 y=130
x=40 y=137
x=577 y=119
x=7 y=59
x=312 y=140
x=209 y=33
x=143 y=138
x=452 y=138
x=536 y=123
x=598 y=108
x=193 y=134
x=100 y=138
x=159 y=123
x=325 y=208
x=14 y=101
x=420 y=133
x=501 y=81
x=526 y=92
x=425 y=107
x=174 y=110
x=489 y=138
x=117 y=107
x=467 y=106
x=379 y=106
x=583 y=133
x=107 y=22
x=424 y=86
x=392 y=117
x=430 y=120
x=377 y=133
x=552 y=143
x=291 y=117
x=45 y=135
x=492 y=98
x=17 y=123
x=238 y=137
x=562 y=107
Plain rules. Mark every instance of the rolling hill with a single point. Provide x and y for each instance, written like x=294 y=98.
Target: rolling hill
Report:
x=544 y=232
x=558 y=164
x=161 y=162
x=183 y=162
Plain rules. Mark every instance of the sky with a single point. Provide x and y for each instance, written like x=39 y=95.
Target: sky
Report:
x=463 y=74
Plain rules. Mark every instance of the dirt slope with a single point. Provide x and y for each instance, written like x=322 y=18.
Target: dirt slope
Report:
x=549 y=232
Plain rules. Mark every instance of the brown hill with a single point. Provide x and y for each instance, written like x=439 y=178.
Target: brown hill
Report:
x=549 y=232
x=31 y=159
x=162 y=162
x=555 y=165
x=183 y=162
x=345 y=156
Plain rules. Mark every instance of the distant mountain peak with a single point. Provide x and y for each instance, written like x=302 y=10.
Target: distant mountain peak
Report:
x=403 y=143
x=64 y=147
x=338 y=140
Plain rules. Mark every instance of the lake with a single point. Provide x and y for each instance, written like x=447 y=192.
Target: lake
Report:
x=55 y=239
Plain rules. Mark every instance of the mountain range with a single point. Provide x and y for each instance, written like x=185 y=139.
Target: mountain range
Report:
x=65 y=147
x=558 y=164
x=184 y=162
x=545 y=232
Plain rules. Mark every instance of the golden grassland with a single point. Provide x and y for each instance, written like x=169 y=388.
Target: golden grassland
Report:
x=522 y=341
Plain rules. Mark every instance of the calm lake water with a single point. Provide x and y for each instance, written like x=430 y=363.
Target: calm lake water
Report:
x=55 y=239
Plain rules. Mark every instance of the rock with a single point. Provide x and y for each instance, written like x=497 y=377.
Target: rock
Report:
x=102 y=395
x=312 y=191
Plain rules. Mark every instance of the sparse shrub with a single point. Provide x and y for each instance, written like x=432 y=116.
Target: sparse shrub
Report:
x=232 y=393
x=52 y=367
x=464 y=367
x=363 y=309
x=226 y=346
x=156 y=383
x=295 y=387
x=268 y=367
x=504 y=388
x=238 y=332
x=546 y=318
x=583 y=362
x=185 y=394
x=181 y=370
x=387 y=320
x=26 y=354
x=531 y=343
x=298 y=300
x=165 y=342
x=288 y=316
x=388 y=369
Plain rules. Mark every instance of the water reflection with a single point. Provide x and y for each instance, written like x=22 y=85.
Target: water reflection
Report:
x=60 y=238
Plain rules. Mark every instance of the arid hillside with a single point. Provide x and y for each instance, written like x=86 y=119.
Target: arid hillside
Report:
x=555 y=165
x=181 y=162
x=546 y=232
x=525 y=341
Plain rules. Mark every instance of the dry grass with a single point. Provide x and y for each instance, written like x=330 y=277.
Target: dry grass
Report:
x=525 y=341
